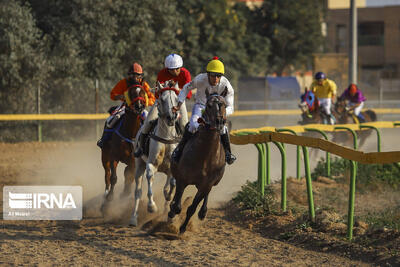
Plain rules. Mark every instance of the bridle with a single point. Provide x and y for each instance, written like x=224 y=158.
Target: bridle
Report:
x=220 y=119
x=131 y=102
x=160 y=92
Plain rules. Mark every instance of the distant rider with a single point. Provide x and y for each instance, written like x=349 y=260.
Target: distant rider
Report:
x=215 y=82
x=355 y=99
x=135 y=75
x=325 y=90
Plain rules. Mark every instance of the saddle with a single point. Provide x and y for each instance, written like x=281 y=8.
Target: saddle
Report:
x=151 y=134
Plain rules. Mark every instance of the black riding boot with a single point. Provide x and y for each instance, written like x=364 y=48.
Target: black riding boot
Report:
x=176 y=154
x=140 y=145
x=104 y=137
x=229 y=157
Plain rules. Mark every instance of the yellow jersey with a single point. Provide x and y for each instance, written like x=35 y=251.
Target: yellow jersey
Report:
x=326 y=90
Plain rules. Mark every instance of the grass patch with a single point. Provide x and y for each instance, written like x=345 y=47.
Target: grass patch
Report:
x=389 y=218
x=367 y=174
x=249 y=198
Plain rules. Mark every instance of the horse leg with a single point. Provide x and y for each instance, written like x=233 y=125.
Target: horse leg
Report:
x=203 y=210
x=192 y=208
x=129 y=176
x=107 y=177
x=113 y=179
x=140 y=168
x=172 y=184
x=175 y=207
x=150 y=171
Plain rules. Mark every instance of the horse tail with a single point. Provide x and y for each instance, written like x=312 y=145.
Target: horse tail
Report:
x=371 y=114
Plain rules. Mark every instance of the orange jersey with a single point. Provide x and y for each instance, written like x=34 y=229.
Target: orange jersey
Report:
x=122 y=86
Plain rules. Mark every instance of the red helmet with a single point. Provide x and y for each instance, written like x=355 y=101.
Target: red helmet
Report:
x=135 y=68
x=352 y=89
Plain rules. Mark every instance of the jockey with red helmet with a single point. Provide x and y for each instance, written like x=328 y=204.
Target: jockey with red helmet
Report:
x=356 y=100
x=215 y=81
x=174 y=71
x=135 y=75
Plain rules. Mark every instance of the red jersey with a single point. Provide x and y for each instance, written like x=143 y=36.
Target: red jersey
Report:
x=122 y=86
x=182 y=79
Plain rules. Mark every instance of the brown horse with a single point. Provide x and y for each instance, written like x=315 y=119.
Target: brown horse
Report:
x=119 y=147
x=346 y=117
x=311 y=112
x=203 y=160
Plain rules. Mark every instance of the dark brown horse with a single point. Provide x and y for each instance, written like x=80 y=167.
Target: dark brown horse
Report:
x=311 y=112
x=203 y=160
x=119 y=147
x=346 y=117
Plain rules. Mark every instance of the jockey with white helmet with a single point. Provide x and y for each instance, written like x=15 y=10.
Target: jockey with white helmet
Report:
x=214 y=82
x=175 y=71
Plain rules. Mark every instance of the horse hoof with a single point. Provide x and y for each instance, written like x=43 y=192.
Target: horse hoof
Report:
x=133 y=221
x=168 y=197
x=152 y=208
x=202 y=215
x=171 y=215
x=182 y=229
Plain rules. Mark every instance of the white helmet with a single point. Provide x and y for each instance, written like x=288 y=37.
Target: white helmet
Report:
x=173 y=61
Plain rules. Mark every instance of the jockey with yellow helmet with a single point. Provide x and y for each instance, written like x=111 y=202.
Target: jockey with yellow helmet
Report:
x=215 y=81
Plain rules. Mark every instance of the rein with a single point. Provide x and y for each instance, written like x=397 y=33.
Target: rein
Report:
x=116 y=130
x=164 y=141
x=158 y=93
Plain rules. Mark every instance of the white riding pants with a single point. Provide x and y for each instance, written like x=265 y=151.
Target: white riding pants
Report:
x=325 y=104
x=358 y=109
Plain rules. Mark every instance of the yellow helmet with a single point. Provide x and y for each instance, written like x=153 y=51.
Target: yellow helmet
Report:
x=215 y=65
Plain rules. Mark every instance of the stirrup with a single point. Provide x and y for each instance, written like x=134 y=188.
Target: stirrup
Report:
x=176 y=154
x=100 y=143
x=138 y=153
x=230 y=158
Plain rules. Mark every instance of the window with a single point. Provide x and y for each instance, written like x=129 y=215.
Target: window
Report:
x=341 y=38
x=371 y=33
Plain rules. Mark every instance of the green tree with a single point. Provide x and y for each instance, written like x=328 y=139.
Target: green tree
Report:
x=22 y=60
x=294 y=28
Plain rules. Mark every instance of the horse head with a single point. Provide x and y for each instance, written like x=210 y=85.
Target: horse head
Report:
x=307 y=102
x=167 y=98
x=214 y=115
x=135 y=99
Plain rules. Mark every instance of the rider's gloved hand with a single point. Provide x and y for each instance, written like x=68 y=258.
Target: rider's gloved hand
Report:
x=177 y=107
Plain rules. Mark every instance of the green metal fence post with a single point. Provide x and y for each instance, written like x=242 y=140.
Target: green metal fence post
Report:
x=328 y=158
x=267 y=163
x=283 y=175
x=378 y=134
x=261 y=167
x=309 y=184
x=297 y=151
x=352 y=132
x=261 y=163
x=352 y=192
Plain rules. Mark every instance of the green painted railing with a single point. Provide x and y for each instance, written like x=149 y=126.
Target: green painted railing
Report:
x=352 y=132
x=352 y=193
x=328 y=158
x=378 y=134
x=297 y=151
x=309 y=184
x=264 y=168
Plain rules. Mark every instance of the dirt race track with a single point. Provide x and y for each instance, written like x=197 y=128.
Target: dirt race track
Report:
x=219 y=240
